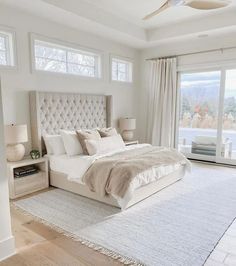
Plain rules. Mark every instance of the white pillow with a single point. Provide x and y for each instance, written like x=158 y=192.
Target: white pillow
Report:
x=104 y=145
x=71 y=142
x=54 y=144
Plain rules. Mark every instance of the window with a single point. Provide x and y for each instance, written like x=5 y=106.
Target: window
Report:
x=6 y=49
x=121 y=70
x=61 y=59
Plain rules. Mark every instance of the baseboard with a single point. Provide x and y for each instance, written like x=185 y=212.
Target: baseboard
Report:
x=7 y=248
x=213 y=163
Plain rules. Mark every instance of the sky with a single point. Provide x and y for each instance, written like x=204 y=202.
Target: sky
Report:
x=211 y=81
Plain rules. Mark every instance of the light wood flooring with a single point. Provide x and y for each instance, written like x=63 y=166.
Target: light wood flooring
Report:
x=38 y=245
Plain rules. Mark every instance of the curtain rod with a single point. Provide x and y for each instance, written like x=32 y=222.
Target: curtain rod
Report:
x=199 y=52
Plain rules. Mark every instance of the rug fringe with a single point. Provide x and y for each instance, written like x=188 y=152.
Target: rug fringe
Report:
x=112 y=254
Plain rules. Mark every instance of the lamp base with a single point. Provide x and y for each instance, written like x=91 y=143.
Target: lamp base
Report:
x=15 y=152
x=127 y=135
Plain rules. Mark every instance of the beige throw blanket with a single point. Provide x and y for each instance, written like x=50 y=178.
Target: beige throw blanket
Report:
x=113 y=174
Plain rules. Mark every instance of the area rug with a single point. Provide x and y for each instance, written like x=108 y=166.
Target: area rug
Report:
x=180 y=225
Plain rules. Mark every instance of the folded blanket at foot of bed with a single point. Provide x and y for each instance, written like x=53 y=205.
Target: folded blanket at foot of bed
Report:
x=113 y=174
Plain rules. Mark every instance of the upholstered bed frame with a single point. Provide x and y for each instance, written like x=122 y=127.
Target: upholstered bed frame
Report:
x=52 y=111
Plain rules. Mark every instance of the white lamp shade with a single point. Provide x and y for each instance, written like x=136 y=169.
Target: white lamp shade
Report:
x=127 y=123
x=16 y=134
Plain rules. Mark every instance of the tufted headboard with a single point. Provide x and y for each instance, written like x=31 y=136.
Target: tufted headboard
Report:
x=52 y=111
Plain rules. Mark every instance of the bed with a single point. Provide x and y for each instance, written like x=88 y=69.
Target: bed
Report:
x=52 y=111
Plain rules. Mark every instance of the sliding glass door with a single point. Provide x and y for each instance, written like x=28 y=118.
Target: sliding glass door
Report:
x=199 y=105
x=207 y=117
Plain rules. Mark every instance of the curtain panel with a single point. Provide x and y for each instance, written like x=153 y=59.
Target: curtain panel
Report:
x=162 y=102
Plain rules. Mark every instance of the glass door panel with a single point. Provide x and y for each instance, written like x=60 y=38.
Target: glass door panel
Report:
x=228 y=141
x=199 y=105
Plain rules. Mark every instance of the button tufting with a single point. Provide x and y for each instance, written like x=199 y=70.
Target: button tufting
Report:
x=71 y=111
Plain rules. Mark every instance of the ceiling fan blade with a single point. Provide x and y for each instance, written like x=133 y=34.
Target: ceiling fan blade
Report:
x=207 y=4
x=158 y=11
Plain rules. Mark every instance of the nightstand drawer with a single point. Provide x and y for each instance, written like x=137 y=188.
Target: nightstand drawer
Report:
x=29 y=183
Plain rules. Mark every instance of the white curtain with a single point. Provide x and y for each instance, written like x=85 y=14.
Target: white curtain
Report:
x=162 y=102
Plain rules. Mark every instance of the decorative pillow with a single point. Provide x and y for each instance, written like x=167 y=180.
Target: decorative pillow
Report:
x=104 y=145
x=87 y=134
x=46 y=139
x=54 y=144
x=71 y=142
x=107 y=132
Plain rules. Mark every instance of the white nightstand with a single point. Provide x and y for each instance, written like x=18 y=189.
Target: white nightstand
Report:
x=21 y=186
x=131 y=142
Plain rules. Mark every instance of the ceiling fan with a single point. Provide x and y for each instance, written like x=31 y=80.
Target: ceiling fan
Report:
x=197 y=4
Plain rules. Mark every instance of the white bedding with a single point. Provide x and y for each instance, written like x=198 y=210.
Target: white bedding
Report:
x=75 y=167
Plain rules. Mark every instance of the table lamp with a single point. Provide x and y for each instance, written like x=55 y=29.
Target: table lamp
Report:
x=15 y=135
x=127 y=126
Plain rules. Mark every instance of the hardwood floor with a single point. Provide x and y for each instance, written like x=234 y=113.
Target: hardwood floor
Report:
x=38 y=245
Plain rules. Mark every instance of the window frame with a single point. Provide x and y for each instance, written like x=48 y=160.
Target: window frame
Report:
x=189 y=70
x=221 y=66
x=11 y=51
x=130 y=62
x=68 y=47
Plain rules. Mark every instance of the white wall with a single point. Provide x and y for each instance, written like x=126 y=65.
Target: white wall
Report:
x=128 y=100
x=6 y=239
x=17 y=83
x=200 y=61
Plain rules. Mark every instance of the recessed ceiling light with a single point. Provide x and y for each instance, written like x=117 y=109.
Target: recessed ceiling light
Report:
x=203 y=36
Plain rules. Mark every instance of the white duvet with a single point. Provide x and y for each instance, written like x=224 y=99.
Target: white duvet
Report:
x=76 y=166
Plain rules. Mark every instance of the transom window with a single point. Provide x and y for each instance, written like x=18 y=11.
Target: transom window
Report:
x=6 y=49
x=61 y=59
x=121 y=70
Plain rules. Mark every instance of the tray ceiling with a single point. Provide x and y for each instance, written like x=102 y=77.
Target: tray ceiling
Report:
x=121 y=20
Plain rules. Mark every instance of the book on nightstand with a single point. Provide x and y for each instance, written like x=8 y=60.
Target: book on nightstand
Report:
x=24 y=171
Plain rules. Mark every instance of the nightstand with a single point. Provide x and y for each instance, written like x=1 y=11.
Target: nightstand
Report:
x=24 y=185
x=131 y=142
